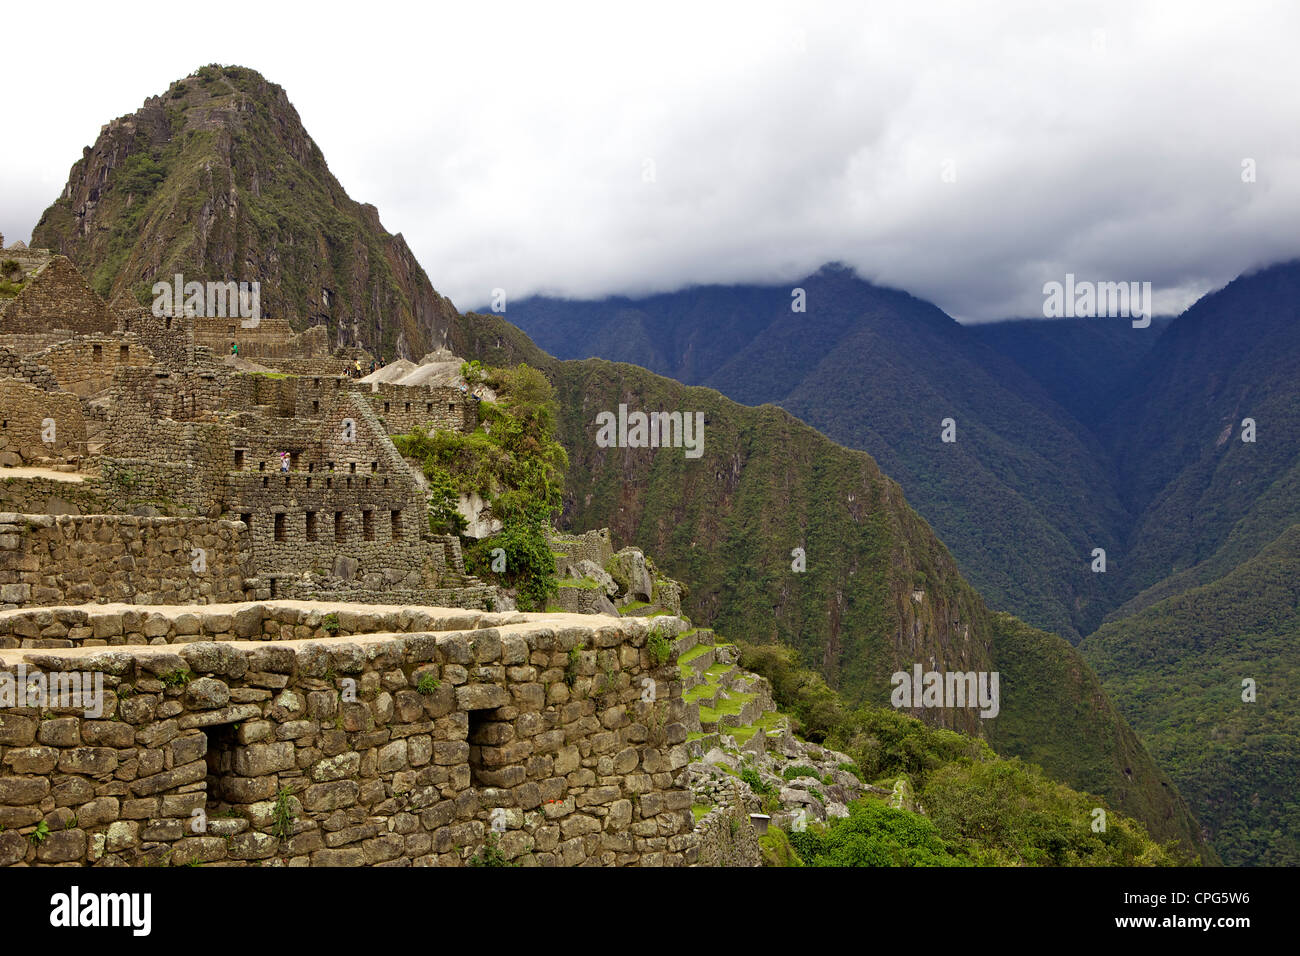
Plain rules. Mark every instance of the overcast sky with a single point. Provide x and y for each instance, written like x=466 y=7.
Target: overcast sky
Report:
x=967 y=153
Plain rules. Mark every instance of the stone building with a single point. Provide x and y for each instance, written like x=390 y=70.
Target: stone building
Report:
x=208 y=657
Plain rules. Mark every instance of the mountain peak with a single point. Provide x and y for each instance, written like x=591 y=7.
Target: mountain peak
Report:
x=218 y=180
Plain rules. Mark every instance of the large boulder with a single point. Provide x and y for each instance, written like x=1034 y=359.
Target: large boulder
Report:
x=628 y=569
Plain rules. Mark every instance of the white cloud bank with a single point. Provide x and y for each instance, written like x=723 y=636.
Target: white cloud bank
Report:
x=967 y=153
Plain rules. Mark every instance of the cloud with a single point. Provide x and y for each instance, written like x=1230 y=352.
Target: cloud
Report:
x=968 y=154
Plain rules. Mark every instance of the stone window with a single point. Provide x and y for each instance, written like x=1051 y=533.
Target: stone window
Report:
x=397 y=525
x=329 y=482
x=428 y=407
x=239 y=458
x=478 y=722
x=349 y=481
x=374 y=467
x=222 y=741
x=168 y=323
x=311 y=524
x=352 y=467
x=340 y=532
x=279 y=526
x=385 y=408
x=264 y=481
x=293 y=461
x=261 y=466
x=385 y=482
x=315 y=407
x=451 y=407
x=97 y=353
x=124 y=353
x=368 y=525
x=309 y=481
x=247 y=518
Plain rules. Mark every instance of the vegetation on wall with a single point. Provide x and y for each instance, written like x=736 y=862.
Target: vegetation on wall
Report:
x=517 y=465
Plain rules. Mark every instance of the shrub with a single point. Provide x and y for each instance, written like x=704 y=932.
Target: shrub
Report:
x=800 y=770
x=660 y=648
x=756 y=783
x=490 y=855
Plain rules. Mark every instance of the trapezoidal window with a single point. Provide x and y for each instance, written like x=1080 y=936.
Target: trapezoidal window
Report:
x=311 y=524
x=279 y=526
x=397 y=525
x=97 y=353
x=368 y=525
x=340 y=531
x=480 y=721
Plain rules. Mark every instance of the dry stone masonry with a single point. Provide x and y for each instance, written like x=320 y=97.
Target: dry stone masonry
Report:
x=291 y=734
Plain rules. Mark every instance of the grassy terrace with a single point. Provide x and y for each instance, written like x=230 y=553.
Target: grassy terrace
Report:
x=585 y=584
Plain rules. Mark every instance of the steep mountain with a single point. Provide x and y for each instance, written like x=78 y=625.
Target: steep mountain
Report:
x=880 y=593
x=217 y=180
x=1022 y=496
x=1206 y=499
x=1085 y=365
x=1176 y=669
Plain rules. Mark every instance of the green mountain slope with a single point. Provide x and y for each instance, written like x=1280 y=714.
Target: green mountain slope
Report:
x=1176 y=669
x=881 y=592
x=218 y=180
x=1022 y=497
x=1085 y=365
x=1203 y=495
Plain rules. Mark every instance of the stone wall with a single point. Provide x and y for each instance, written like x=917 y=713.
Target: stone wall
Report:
x=13 y=365
x=594 y=546
x=402 y=407
x=47 y=560
x=52 y=496
x=29 y=416
x=84 y=365
x=169 y=338
x=269 y=339
x=56 y=298
x=424 y=741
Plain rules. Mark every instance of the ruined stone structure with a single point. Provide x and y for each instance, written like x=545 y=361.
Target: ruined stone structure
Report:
x=279 y=733
x=274 y=660
x=162 y=424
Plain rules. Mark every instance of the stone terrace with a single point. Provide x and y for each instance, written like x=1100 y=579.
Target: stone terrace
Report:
x=294 y=733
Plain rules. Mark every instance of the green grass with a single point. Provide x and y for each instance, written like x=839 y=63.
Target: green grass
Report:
x=726 y=707
x=699 y=650
x=584 y=584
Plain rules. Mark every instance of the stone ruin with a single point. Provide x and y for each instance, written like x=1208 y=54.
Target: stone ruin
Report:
x=307 y=734
x=148 y=416
x=291 y=668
